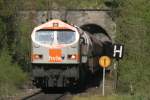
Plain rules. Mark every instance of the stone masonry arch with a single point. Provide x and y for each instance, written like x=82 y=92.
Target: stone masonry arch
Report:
x=79 y=17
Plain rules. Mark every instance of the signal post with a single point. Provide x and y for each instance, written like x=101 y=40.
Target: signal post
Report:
x=104 y=62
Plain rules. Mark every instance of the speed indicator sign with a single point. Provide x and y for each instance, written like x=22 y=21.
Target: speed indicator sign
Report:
x=104 y=61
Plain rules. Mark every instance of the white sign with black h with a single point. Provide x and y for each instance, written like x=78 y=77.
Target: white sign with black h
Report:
x=118 y=51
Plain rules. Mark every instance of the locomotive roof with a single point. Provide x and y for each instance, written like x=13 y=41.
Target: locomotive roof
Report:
x=55 y=24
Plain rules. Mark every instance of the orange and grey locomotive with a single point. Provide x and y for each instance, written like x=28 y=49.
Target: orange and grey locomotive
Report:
x=62 y=54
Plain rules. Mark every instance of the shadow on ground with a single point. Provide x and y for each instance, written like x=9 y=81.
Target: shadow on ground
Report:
x=91 y=82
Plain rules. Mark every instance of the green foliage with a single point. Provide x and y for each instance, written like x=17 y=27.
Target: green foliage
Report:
x=23 y=44
x=61 y=4
x=133 y=32
x=113 y=97
x=2 y=31
x=11 y=76
x=7 y=21
x=8 y=7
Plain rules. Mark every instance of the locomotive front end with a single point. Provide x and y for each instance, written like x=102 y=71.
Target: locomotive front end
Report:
x=55 y=44
x=55 y=54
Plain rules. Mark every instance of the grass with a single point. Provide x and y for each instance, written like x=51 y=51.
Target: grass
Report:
x=113 y=97
x=133 y=31
x=11 y=75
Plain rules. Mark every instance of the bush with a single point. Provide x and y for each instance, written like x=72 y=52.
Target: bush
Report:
x=11 y=76
x=133 y=31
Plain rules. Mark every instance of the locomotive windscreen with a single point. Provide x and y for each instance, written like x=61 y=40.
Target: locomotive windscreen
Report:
x=45 y=36
x=65 y=37
x=55 y=36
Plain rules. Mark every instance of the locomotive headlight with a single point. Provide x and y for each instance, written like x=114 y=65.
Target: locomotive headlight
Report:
x=72 y=57
x=37 y=56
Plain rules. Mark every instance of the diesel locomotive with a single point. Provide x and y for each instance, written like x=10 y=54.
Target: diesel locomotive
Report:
x=63 y=54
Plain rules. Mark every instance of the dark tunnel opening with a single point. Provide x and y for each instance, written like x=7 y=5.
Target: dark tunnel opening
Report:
x=99 y=33
x=94 y=29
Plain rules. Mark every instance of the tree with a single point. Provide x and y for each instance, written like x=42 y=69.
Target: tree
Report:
x=133 y=32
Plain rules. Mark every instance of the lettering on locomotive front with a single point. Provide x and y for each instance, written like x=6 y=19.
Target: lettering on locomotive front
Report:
x=55 y=55
x=55 y=59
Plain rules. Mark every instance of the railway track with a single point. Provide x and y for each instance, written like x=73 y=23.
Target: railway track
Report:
x=42 y=95
x=93 y=86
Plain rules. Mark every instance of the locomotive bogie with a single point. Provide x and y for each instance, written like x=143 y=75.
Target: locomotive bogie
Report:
x=55 y=75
